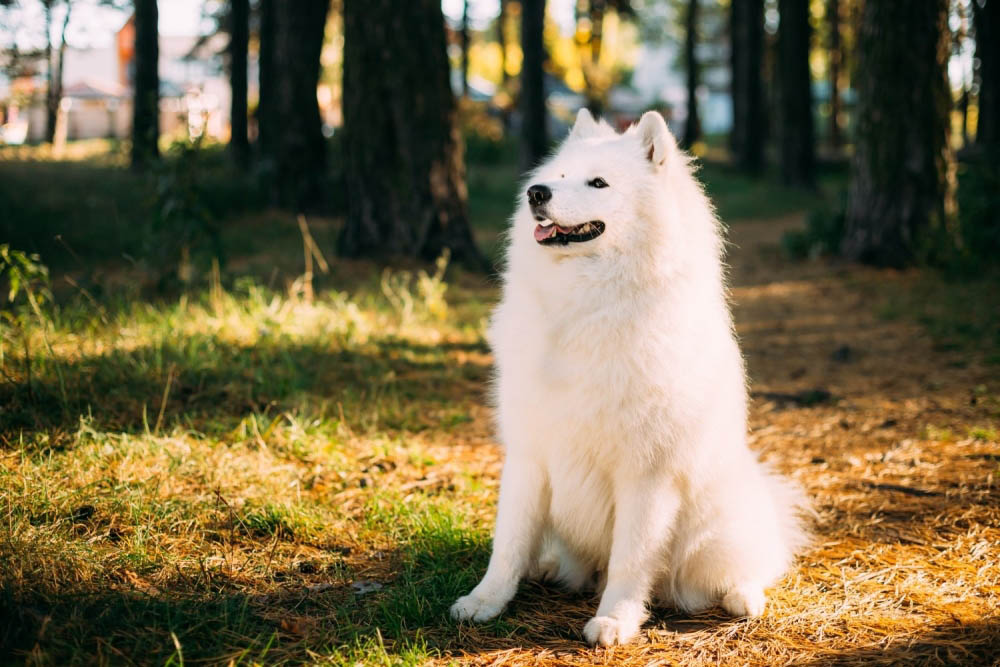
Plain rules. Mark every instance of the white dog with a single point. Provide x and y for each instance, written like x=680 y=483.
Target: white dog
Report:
x=621 y=396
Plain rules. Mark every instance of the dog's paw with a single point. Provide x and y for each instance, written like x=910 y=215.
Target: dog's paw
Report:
x=476 y=608
x=747 y=600
x=608 y=631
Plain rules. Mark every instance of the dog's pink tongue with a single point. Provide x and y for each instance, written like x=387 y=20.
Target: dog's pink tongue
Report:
x=542 y=233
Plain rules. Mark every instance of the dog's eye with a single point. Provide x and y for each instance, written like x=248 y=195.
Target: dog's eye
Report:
x=597 y=183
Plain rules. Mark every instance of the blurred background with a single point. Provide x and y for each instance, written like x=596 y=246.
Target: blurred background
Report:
x=347 y=110
x=248 y=251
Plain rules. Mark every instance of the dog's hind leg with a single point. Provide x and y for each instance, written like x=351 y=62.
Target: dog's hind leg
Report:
x=736 y=549
x=557 y=563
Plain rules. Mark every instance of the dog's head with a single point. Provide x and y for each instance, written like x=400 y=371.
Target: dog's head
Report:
x=596 y=192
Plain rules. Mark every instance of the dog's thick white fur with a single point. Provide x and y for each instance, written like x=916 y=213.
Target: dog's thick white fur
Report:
x=621 y=399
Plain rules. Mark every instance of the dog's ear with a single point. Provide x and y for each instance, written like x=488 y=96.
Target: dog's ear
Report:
x=657 y=142
x=585 y=125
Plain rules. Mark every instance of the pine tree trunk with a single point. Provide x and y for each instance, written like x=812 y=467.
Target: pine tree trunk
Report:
x=146 y=100
x=404 y=165
x=502 y=41
x=795 y=123
x=465 y=49
x=239 y=39
x=899 y=176
x=265 y=77
x=747 y=55
x=986 y=21
x=534 y=114
x=692 y=127
x=51 y=103
x=835 y=58
x=596 y=91
x=292 y=138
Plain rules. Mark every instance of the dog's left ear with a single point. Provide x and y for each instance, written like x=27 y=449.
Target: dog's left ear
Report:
x=657 y=143
x=585 y=126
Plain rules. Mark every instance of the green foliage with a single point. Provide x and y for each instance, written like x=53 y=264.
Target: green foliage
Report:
x=25 y=274
x=822 y=236
x=183 y=233
x=978 y=216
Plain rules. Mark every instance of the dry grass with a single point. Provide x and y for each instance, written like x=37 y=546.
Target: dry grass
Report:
x=249 y=477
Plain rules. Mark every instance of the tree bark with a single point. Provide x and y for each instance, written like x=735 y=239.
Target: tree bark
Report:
x=465 y=48
x=692 y=127
x=292 y=136
x=239 y=40
x=986 y=21
x=51 y=103
x=265 y=76
x=747 y=55
x=534 y=114
x=146 y=99
x=835 y=55
x=899 y=176
x=405 y=170
x=502 y=41
x=795 y=123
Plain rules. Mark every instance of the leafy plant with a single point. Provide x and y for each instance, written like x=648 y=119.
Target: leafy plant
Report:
x=822 y=236
x=184 y=235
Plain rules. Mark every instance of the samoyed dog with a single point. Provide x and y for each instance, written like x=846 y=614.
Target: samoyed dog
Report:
x=621 y=396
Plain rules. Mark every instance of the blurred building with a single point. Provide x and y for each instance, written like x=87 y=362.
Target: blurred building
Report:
x=97 y=91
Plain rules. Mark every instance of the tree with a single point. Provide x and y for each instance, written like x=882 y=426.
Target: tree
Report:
x=692 y=127
x=534 y=116
x=239 y=39
x=795 y=123
x=986 y=22
x=465 y=48
x=403 y=152
x=899 y=174
x=146 y=96
x=292 y=143
x=746 y=62
x=502 y=41
x=835 y=55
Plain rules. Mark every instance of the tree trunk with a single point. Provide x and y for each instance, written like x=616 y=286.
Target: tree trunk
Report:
x=265 y=76
x=239 y=39
x=795 y=123
x=596 y=87
x=502 y=40
x=747 y=55
x=465 y=49
x=899 y=175
x=534 y=114
x=56 y=85
x=51 y=103
x=291 y=129
x=836 y=57
x=986 y=21
x=146 y=99
x=692 y=127
x=405 y=170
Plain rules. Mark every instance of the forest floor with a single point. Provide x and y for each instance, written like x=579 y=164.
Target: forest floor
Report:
x=248 y=474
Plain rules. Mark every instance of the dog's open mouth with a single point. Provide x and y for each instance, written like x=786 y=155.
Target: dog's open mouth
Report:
x=553 y=234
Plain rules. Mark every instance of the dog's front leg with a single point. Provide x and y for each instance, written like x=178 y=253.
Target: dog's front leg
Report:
x=521 y=513
x=645 y=510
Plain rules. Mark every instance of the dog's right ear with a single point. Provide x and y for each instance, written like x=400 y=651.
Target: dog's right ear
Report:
x=585 y=126
x=656 y=139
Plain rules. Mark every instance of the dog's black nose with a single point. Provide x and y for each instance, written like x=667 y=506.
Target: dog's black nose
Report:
x=539 y=194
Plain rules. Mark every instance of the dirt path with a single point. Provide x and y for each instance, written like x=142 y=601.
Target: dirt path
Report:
x=891 y=439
